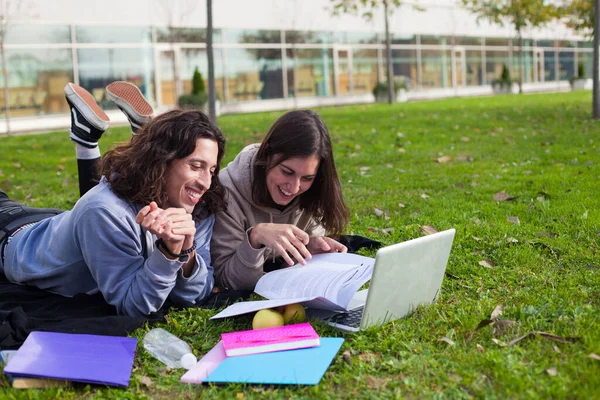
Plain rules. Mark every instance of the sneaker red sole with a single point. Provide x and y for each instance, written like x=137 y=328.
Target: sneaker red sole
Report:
x=130 y=94
x=90 y=101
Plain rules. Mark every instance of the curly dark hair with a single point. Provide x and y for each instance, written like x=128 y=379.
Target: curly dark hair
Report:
x=302 y=133
x=136 y=170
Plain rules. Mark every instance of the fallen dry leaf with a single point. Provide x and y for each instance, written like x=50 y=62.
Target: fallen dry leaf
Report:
x=428 y=229
x=455 y=377
x=497 y=312
x=514 y=220
x=499 y=343
x=443 y=159
x=464 y=139
x=487 y=264
x=401 y=205
x=424 y=196
x=387 y=231
x=378 y=212
x=464 y=157
x=475 y=238
x=347 y=356
x=555 y=348
x=480 y=348
x=552 y=371
x=446 y=340
x=401 y=150
x=503 y=196
x=594 y=356
x=144 y=380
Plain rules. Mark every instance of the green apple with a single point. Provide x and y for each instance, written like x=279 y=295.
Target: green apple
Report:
x=294 y=313
x=267 y=318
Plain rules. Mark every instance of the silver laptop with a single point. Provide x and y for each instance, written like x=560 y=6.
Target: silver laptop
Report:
x=405 y=276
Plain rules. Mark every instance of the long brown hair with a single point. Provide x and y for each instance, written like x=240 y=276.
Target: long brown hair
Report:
x=136 y=170
x=302 y=133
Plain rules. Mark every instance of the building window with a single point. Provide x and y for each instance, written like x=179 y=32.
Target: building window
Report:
x=475 y=73
x=192 y=58
x=36 y=79
x=495 y=61
x=99 y=67
x=37 y=34
x=113 y=34
x=545 y=43
x=355 y=38
x=400 y=39
x=184 y=35
x=310 y=72
x=308 y=37
x=549 y=66
x=587 y=59
x=365 y=70
x=404 y=63
x=254 y=74
x=465 y=41
x=566 y=65
x=433 y=40
x=497 y=42
x=437 y=69
x=251 y=36
x=527 y=65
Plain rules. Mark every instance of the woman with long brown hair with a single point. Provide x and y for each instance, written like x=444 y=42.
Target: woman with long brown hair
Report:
x=284 y=196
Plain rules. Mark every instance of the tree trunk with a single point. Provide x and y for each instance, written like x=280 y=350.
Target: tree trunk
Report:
x=521 y=61
x=5 y=75
x=212 y=97
x=388 y=56
x=596 y=91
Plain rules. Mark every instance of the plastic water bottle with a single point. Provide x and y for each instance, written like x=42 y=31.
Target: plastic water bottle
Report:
x=169 y=349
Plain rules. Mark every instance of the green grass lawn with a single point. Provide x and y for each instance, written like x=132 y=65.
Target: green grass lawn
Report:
x=402 y=167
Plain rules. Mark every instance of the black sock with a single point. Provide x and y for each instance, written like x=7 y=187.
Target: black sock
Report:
x=88 y=174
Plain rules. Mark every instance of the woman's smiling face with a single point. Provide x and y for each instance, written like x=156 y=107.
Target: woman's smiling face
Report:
x=290 y=178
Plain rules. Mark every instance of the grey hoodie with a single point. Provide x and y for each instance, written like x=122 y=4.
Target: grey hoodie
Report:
x=237 y=264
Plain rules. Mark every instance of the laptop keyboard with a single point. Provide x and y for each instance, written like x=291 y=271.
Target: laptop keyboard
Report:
x=350 y=318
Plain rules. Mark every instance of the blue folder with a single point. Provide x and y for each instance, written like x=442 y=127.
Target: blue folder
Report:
x=291 y=367
x=99 y=359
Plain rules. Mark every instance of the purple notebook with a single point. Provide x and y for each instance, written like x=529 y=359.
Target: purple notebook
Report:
x=105 y=360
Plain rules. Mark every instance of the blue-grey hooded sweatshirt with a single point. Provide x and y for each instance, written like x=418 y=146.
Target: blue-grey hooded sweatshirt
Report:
x=97 y=247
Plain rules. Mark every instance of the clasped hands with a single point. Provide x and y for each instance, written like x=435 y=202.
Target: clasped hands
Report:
x=287 y=239
x=174 y=226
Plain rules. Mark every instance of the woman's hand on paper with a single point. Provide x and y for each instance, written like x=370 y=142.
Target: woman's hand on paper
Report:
x=324 y=244
x=285 y=239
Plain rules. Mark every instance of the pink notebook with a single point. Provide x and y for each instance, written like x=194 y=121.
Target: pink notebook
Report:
x=287 y=337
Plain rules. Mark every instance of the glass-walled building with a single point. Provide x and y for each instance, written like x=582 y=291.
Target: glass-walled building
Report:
x=254 y=64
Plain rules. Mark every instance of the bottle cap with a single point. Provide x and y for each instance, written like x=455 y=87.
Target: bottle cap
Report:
x=188 y=360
